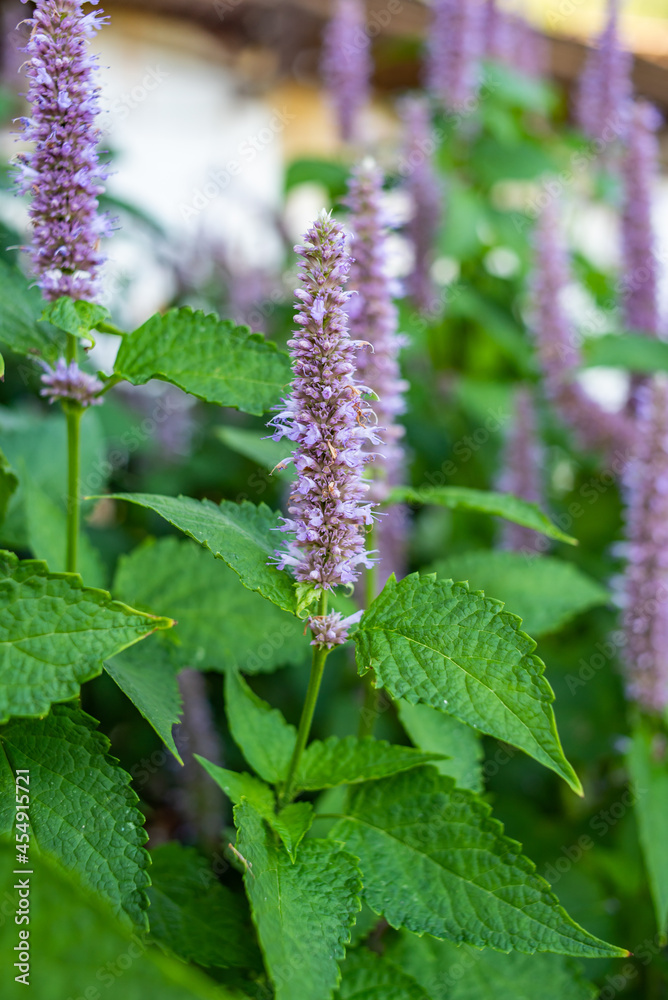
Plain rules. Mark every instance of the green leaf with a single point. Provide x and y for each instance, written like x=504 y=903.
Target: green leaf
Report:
x=208 y=357
x=147 y=676
x=648 y=765
x=216 y=617
x=367 y=976
x=350 y=760
x=75 y=317
x=242 y=535
x=20 y=311
x=258 y=448
x=503 y=505
x=193 y=915
x=634 y=351
x=264 y=737
x=450 y=972
x=435 y=862
x=8 y=484
x=545 y=592
x=329 y=174
x=431 y=730
x=290 y=823
x=82 y=808
x=303 y=912
x=55 y=633
x=433 y=641
x=83 y=948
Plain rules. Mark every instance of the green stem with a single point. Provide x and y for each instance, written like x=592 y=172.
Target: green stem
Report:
x=73 y=414
x=317 y=670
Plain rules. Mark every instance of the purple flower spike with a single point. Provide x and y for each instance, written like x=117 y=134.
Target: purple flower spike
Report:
x=373 y=317
x=63 y=173
x=605 y=89
x=640 y=170
x=69 y=382
x=346 y=63
x=522 y=472
x=425 y=195
x=456 y=44
x=328 y=420
x=558 y=345
x=646 y=580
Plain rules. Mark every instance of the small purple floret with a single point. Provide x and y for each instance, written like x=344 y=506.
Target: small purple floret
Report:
x=329 y=421
x=69 y=382
x=63 y=173
x=332 y=629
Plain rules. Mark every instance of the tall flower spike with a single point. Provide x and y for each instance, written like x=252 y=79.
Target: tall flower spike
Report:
x=455 y=48
x=329 y=422
x=346 y=63
x=605 y=89
x=645 y=615
x=424 y=192
x=63 y=173
x=640 y=170
x=522 y=472
x=374 y=318
x=558 y=351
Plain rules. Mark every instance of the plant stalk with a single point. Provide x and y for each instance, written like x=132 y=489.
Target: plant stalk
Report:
x=73 y=413
x=317 y=671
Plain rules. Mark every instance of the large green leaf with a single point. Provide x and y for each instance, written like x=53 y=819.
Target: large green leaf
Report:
x=208 y=357
x=450 y=972
x=303 y=911
x=148 y=677
x=193 y=915
x=435 y=732
x=433 y=641
x=55 y=633
x=80 y=950
x=367 y=976
x=216 y=617
x=82 y=808
x=242 y=535
x=435 y=862
x=545 y=592
x=634 y=351
x=648 y=764
x=350 y=761
x=503 y=505
x=264 y=737
x=21 y=307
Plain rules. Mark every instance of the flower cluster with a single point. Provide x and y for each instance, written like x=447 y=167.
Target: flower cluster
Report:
x=522 y=472
x=646 y=580
x=640 y=170
x=456 y=40
x=329 y=421
x=508 y=38
x=63 y=173
x=424 y=191
x=346 y=63
x=374 y=317
x=68 y=382
x=558 y=346
x=604 y=91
